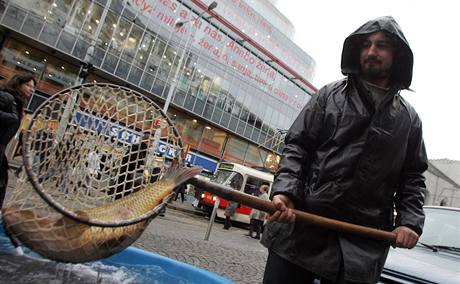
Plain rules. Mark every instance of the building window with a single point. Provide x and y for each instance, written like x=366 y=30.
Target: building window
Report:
x=36 y=100
x=107 y=31
x=119 y=36
x=235 y=150
x=254 y=156
x=52 y=73
x=78 y=15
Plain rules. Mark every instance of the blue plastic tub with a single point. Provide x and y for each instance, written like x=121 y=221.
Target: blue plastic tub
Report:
x=139 y=266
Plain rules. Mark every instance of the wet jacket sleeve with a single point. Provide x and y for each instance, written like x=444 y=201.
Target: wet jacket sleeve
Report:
x=7 y=117
x=410 y=195
x=300 y=141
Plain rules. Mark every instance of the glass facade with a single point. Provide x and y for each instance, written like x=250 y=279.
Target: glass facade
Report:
x=264 y=24
x=234 y=98
x=276 y=19
x=52 y=73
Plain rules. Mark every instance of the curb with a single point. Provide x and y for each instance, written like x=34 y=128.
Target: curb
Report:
x=184 y=209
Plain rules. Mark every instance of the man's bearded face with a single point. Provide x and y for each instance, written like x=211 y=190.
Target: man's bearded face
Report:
x=376 y=57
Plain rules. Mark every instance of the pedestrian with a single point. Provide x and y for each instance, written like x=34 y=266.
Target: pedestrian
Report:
x=257 y=217
x=94 y=163
x=93 y=166
x=68 y=163
x=18 y=151
x=131 y=171
x=235 y=183
x=14 y=95
x=230 y=210
x=181 y=192
x=355 y=153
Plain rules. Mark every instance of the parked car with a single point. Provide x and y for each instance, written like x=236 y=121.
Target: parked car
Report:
x=435 y=258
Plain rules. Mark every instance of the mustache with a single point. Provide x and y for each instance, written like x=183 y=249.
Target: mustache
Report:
x=372 y=59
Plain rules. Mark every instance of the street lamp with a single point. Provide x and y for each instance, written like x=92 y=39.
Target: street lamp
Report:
x=211 y=6
x=173 y=86
x=85 y=68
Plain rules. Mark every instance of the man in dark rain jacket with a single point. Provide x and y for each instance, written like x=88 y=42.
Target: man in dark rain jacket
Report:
x=355 y=153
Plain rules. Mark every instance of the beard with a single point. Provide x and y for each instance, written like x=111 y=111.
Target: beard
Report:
x=374 y=69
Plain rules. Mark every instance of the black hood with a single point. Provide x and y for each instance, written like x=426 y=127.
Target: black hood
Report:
x=403 y=62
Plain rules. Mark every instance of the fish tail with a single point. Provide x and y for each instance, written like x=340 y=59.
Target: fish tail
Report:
x=180 y=174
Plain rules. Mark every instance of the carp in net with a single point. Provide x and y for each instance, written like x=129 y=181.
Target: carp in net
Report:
x=96 y=173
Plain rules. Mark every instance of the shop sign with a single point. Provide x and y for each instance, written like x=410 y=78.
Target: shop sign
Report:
x=167 y=149
x=108 y=128
x=129 y=136
x=195 y=159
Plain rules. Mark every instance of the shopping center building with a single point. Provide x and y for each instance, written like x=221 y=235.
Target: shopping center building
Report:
x=233 y=75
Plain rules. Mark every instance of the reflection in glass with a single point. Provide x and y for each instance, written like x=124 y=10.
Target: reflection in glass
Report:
x=235 y=150
x=147 y=56
x=57 y=74
x=119 y=36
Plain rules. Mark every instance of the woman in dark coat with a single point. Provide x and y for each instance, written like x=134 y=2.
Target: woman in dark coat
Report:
x=13 y=97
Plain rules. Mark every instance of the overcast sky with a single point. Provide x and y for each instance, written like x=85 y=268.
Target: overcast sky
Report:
x=433 y=31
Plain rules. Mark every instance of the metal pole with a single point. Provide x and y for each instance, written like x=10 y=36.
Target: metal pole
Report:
x=66 y=115
x=88 y=58
x=435 y=190
x=211 y=220
x=173 y=86
x=452 y=197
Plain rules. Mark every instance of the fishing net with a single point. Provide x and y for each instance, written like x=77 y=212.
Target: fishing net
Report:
x=96 y=172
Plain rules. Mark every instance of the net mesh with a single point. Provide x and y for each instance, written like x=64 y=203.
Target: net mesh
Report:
x=95 y=159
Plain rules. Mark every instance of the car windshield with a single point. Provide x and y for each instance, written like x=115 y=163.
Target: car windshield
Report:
x=442 y=228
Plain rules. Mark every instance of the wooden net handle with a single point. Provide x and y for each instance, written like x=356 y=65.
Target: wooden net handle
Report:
x=304 y=217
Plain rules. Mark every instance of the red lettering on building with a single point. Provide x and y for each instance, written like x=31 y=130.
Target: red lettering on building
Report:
x=231 y=53
x=170 y=21
x=213 y=33
x=143 y=6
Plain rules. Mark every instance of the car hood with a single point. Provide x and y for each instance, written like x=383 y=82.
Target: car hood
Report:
x=422 y=265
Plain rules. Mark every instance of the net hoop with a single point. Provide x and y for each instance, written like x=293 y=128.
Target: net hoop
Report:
x=33 y=175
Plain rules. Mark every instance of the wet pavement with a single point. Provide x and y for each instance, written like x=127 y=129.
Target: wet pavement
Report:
x=180 y=235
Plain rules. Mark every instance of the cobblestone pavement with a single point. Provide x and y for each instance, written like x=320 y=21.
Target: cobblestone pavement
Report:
x=180 y=235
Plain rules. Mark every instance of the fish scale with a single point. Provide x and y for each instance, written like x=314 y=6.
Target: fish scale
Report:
x=62 y=239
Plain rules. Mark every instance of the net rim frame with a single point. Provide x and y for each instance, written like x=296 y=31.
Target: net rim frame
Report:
x=36 y=185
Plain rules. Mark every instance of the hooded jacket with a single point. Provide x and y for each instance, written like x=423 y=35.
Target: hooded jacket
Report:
x=346 y=159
